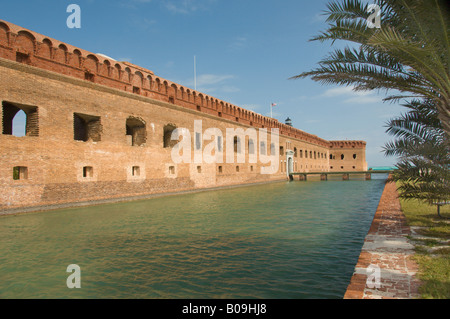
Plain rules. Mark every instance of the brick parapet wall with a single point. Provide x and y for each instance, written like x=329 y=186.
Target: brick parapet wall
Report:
x=22 y=45
x=388 y=253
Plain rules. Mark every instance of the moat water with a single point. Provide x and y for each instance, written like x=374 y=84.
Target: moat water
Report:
x=282 y=240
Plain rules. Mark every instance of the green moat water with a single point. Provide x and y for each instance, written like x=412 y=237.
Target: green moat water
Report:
x=281 y=240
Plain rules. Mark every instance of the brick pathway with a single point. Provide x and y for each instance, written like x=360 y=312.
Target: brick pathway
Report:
x=385 y=268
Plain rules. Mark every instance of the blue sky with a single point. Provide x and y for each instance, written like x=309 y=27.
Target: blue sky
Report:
x=246 y=51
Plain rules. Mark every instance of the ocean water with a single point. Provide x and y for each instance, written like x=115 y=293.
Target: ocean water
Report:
x=282 y=241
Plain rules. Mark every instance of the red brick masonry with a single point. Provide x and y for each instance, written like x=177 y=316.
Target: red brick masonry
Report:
x=385 y=269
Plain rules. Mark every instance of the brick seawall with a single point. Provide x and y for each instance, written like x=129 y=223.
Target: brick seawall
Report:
x=385 y=269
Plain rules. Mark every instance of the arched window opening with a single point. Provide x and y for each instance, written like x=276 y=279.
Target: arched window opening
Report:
x=262 y=148
x=19 y=124
x=237 y=144
x=251 y=146
x=61 y=54
x=20 y=120
x=128 y=74
x=4 y=33
x=219 y=143
x=354 y=156
x=342 y=156
x=272 y=149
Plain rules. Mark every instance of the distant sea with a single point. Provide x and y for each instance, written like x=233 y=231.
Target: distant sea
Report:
x=382 y=168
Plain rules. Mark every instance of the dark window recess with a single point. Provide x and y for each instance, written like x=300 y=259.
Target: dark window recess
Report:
x=237 y=144
x=10 y=111
x=89 y=76
x=198 y=141
x=251 y=147
x=136 y=171
x=219 y=144
x=136 y=90
x=262 y=148
x=136 y=131
x=168 y=130
x=171 y=99
x=88 y=171
x=20 y=173
x=87 y=127
x=23 y=58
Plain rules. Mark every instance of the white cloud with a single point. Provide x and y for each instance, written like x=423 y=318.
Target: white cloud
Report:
x=187 y=6
x=211 y=79
x=362 y=99
x=238 y=43
x=341 y=90
x=230 y=89
x=213 y=83
x=252 y=107
x=351 y=96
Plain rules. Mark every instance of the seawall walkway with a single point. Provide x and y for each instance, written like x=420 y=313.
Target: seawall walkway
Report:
x=385 y=269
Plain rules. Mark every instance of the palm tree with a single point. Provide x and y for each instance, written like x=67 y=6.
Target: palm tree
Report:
x=424 y=167
x=409 y=54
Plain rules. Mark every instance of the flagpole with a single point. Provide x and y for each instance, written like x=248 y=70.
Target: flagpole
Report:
x=195 y=74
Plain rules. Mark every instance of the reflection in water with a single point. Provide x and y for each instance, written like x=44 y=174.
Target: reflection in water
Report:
x=282 y=240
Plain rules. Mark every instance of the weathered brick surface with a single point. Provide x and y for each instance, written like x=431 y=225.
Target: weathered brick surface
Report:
x=386 y=247
x=92 y=121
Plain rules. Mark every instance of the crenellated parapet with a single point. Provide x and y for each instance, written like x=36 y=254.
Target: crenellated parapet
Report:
x=28 y=47
x=347 y=144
